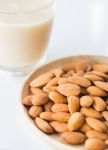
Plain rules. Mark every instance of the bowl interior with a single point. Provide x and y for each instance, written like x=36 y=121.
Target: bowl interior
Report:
x=53 y=139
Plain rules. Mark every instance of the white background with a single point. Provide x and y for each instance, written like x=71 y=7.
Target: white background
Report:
x=81 y=27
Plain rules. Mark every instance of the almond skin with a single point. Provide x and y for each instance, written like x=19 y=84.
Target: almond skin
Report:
x=85 y=127
x=86 y=101
x=73 y=104
x=102 y=85
x=95 y=144
x=35 y=90
x=79 y=81
x=27 y=100
x=74 y=138
x=100 y=68
x=93 y=77
x=100 y=74
x=76 y=121
x=99 y=104
x=59 y=127
x=62 y=81
x=61 y=116
x=57 y=97
x=68 y=67
x=105 y=114
x=96 y=124
x=52 y=82
x=57 y=72
x=35 y=111
x=46 y=116
x=48 y=106
x=96 y=134
x=90 y=112
x=69 y=89
x=39 y=99
x=60 y=108
x=96 y=91
x=42 y=80
x=43 y=125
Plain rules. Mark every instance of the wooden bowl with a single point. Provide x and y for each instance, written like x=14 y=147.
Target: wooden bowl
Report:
x=53 y=140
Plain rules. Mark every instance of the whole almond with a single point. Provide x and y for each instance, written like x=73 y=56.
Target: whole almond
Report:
x=73 y=104
x=85 y=127
x=39 y=99
x=68 y=67
x=62 y=81
x=57 y=72
x=46 y=115
x=60 y=108
x=59 y=127
x=86 y=101
x=43 y=125
x=61 y=116
x=100 y=68
x=74 y=138
x=76 y=121
x=96 y=124
x=35 y=111
x=42 y=80
x=79 y=73
x=69 y=89
x=49 y=89
x=96 y=91
x=99 y=104
x=27 y=100
x=95 y=144
x=35 y=90
x=96 y=134
x=93 y=77
x=79 y=81
x=100 y=74
x=57 y=97
x=102 y=85
x=90 y=112
x=52 y=82
x=48 y=106
x=105 y=114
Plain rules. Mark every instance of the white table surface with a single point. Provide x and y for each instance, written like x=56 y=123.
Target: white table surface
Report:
x=80 y=28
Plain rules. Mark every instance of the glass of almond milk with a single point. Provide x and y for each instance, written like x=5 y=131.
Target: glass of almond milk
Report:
x=25 y=27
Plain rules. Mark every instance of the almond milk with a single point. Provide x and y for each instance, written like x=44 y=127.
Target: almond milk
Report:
x=23 y=36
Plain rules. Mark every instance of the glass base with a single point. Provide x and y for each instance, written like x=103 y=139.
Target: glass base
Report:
x=21 y=71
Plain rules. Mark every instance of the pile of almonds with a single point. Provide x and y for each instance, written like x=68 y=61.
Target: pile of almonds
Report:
x=72 y=101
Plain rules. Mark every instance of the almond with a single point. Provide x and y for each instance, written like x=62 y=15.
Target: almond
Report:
x=71 y=72
x=96 y=134
x=86 y=101
x=35 y=111
x=68 y=67
x=85 y=127
x=75 y=122
x=106 y=142
x=60 y=108
x=52 y=82
x=96 y=124
x=73 y=138
x=61 y=116
x=105 y=114
x=49 y=89
x=74 y=104
x=99 y=104
x=100 y=74
x=100 y=68
x=57 y=72
x=39 y=99
x=79 y=73
x=27 y=100
x=43 y=125
x=48 y=106
x=102 y=85
x=46 y=115
x=96 y=91
x=90 y=112
x=35 y=91
x=62 y=81
x=93 y=77
x=79 y=81
x=95 y=144
x=57 y=97
x=59 y=127
x=106 y=123
x=69 y=89
x=42 y=80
